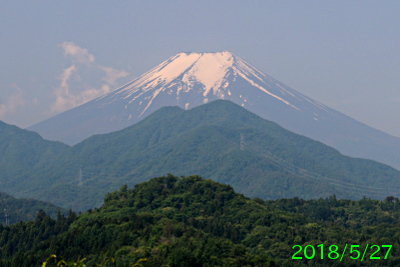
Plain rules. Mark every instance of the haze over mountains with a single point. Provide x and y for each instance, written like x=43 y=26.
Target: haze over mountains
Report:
x=219 y=140
x=191 y=79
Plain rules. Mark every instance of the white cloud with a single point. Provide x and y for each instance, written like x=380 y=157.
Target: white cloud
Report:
x=112 y=74
x=74 y=90
x=65 y=76
x=13 y=102
x=79 y=54
x=66 y=99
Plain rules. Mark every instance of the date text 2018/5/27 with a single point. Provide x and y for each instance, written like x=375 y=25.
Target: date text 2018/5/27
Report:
x=310 y=252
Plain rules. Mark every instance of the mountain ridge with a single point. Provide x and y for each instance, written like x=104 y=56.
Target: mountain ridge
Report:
x=219 y=140
x=188 y=80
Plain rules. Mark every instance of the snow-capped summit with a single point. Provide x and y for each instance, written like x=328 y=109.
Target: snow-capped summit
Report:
x=191 y=79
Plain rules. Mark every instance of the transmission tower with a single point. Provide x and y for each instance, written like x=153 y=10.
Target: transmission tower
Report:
x=7 y=219
x=80 y=177
x=241 y=141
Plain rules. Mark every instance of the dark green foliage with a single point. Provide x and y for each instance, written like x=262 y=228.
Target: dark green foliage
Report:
x=17 y=240
x=220 y=141
x=190 y=221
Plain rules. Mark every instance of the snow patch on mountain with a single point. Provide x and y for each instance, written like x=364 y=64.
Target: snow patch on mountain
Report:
x=209 y=75
x=209 y=70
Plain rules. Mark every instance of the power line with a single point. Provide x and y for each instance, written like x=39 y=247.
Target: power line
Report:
x=358 y=189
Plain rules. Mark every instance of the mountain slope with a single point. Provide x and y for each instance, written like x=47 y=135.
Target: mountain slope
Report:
x=21 y=150
x=191 y=79
x=219 y=140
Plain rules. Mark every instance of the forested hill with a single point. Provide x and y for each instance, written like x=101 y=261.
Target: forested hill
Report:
x=220 y=141
x=21 y=151
x=24 y=209
x=190 y=221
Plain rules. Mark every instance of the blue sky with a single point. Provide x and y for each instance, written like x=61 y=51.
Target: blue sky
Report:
x=58 y=54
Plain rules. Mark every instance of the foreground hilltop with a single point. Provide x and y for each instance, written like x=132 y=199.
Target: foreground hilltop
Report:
x=188 y=80
x=190 y=221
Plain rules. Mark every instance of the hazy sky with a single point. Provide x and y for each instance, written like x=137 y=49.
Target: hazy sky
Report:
x=58 y=54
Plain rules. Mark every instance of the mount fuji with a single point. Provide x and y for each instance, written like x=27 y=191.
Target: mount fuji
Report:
x=188 y=80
